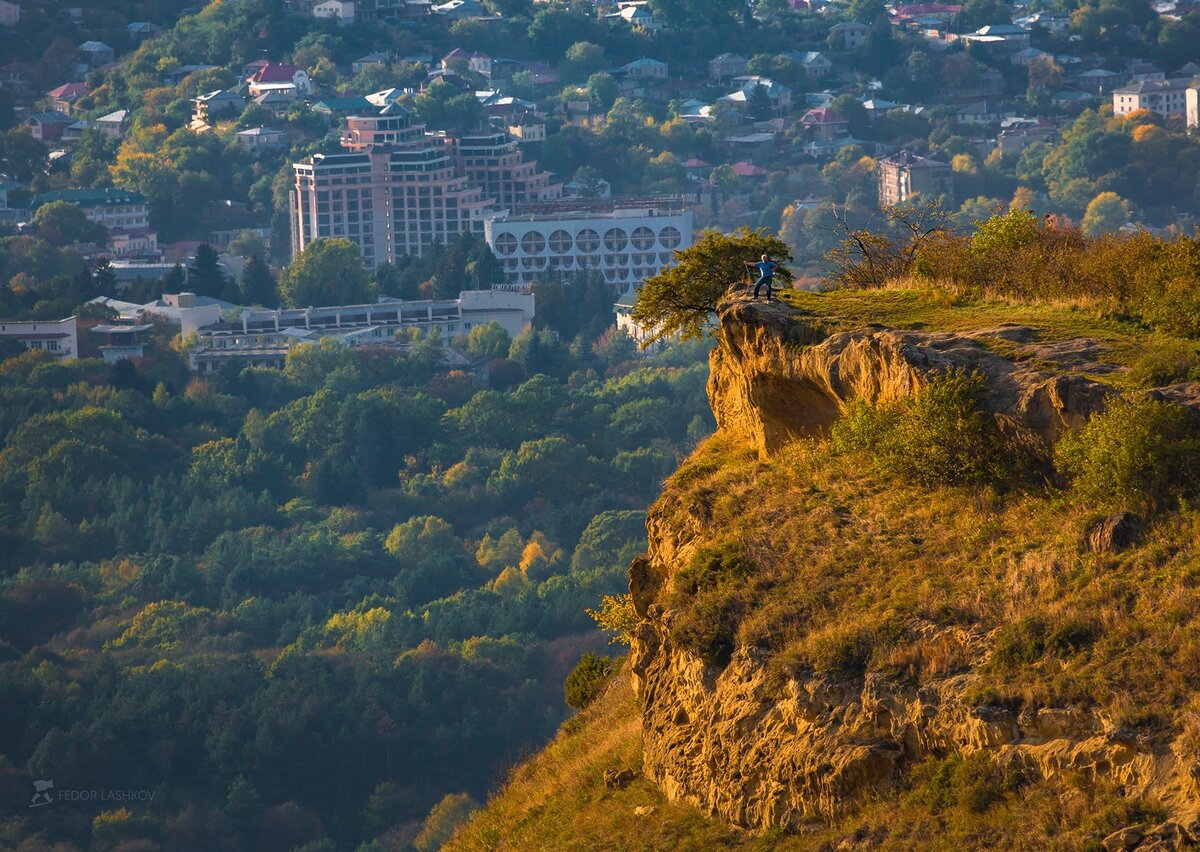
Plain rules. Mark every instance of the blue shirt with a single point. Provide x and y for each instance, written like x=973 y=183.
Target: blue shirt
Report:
x=765 y=268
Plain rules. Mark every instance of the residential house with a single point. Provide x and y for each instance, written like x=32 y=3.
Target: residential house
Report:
x=58 y=337
x=461 y=10
x=257 y=138
x=1142 y=71
x=48 y=126
x=140 y=31
x=905 y=176
x=1071 y=100
x=480 y=63
x=1099 y=81
x=542 y=75
x=276 y=103
x=825 y=124
x=1028 y=56
x=1013 y=141
x=755 y=145
x=749 y=171
x=816 y=64
x=72 y=133
x=778 y=94
x=726 y=66
x=132 y=242
x=636 y=16
x=285 y=78
x=112 y=126
x=1006 y=37
x=10 y=14
x=371 y=60
x=64 y=98
x=849 y=35
x=1051 y=22
x=213 y=105
x=1166 y=98
x=97 y=53
x=528 y=129
x=335 y=108
x=984 y=112
x=644 y=69
x=385 y=97
x=341 y=11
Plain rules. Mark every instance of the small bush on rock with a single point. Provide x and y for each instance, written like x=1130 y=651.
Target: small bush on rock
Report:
x=1140 y=453
x=587 y=680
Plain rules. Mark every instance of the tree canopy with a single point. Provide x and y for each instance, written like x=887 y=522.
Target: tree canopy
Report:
x=680 y=299
x=327 y=272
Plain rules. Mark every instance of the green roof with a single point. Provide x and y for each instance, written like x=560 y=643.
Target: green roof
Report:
x=341 y=104
x=90 y=197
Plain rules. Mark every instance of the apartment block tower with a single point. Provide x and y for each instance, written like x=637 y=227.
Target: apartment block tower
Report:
x=396 y=189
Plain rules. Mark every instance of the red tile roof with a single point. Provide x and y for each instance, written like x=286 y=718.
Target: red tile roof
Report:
x=275 y=73
x=70 y=91
x=823 y=115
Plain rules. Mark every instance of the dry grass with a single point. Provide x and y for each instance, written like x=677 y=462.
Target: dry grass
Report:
x=914 y=305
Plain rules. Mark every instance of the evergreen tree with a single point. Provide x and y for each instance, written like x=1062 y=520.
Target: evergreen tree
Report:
x=105 y=279
x=758 y=103
x=258 y=285
x=175 y=281
x=204 y=276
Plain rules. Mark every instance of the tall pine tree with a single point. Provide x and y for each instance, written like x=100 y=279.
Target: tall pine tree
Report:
x=258 y=285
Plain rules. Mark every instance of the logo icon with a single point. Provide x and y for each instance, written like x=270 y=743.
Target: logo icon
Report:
x=41 y=795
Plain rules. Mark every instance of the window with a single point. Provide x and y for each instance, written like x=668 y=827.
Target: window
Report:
x=615 y=239
x=587 y=241
x=533 y=243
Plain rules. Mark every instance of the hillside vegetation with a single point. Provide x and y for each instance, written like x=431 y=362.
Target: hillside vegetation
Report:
x=912 y=552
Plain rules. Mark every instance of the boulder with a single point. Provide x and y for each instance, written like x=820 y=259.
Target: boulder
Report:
x=1116 y=532
x=618 y=779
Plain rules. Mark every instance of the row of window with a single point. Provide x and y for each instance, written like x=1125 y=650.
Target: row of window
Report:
x=588 y=240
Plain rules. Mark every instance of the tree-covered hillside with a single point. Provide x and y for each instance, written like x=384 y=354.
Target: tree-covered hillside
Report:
x=308 y=604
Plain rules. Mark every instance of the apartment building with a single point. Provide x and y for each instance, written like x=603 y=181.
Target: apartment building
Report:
x=627 y=239
x=112 y=208
x=904 y=176
x=58 y=337
x=1167 y=98
x=397 y=189
x=263 y=337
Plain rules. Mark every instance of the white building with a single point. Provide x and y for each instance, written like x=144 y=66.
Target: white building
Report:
x=1167 y=98
x=627 y=239
x=341 y=11
x=58 y=337
x=263 y=337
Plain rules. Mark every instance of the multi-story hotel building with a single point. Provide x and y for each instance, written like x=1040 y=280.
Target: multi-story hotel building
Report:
x=626 y=239
x=263 y=337
x=396 y=189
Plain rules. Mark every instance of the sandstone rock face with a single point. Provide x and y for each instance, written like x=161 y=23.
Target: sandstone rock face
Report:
x=777 y=376
x=760 y=749
x=755 y=752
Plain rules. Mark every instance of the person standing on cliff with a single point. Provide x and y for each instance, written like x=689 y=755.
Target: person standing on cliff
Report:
x=766 y=273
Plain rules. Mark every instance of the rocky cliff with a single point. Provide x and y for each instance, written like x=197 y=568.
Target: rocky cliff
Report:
x=760 y=746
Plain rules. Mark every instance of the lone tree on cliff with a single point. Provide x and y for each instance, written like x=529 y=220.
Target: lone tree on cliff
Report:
x=680 y=299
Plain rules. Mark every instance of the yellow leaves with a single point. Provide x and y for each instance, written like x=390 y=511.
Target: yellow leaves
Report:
x=1145 y=134
x=616 y=616
x=358 y=629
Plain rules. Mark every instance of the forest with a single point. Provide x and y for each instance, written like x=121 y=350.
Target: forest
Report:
x=304 y=606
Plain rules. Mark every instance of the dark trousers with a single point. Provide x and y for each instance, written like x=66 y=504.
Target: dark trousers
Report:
x=766 y=279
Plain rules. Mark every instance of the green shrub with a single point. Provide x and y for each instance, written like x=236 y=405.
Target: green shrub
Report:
x=974 y=782
x=936 y=436
x=716 y=567
x=1167 y=363
x=843 y=652
x=1140 y=453
x=708 y=629
x=587 y=680
x=1028 y=640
